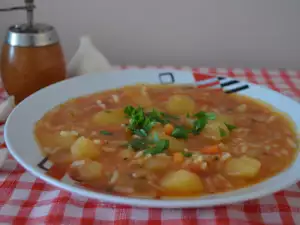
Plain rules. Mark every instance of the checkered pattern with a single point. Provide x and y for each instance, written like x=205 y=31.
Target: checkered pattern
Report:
x=25 y=199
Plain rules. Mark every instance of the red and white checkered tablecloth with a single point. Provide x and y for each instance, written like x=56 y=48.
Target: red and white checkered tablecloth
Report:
x=25 y=199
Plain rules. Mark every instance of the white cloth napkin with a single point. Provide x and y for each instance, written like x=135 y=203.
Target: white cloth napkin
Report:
x=87 y=59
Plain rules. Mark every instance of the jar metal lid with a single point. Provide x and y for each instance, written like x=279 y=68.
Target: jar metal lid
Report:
x=38 y=35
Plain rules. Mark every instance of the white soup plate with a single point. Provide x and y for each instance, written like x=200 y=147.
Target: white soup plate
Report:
x=22 y=145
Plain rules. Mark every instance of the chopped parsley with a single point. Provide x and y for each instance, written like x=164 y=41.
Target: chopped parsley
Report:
x=211 y=116
x=187 y=154
x=148 y=124
x=199 y=114
x=207 y=115
x=139 y=144
x=159 y=147
x=199 y=125
x=202 y=120
x=180 y=132
x=222 y=132
x=104 y=132
x=140 y=132
x=129 y=110
x=157 y=116
x=139 y=123
x=230 y=127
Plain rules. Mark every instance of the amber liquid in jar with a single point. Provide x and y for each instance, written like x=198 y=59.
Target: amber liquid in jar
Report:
x=25 y=70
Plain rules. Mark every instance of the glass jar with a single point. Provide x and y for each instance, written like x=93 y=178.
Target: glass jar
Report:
x=25 y=70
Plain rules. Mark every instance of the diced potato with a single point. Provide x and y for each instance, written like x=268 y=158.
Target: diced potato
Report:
x=180 y=104
x=53 y=140
x=126 y=154
x=175 y=145
x=244 y=166
x=89 y=170
x=110 y=117
x=84 y=148
x=157 y=163
x=139 y=95
x=182 y=181
x=215 y=130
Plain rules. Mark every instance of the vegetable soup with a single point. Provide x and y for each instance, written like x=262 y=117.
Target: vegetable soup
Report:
x=152 y=141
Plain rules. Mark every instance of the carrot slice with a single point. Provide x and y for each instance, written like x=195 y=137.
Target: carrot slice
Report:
x=214 y=149
x=178 y=157
x=168 y=129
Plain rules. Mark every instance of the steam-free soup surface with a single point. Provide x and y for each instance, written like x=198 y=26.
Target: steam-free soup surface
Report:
x=157 y=142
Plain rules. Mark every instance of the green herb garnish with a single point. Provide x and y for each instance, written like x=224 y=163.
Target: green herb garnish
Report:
x=140 y=123
x=230 y=127
x=129 y=110
x=199 y=125
x=157 y=116
x=140 y=132
x=222 y=132
x=139 y=144
x=104 y=132
x=202 y=120
x=199 y=114
x=160 y=147
x=180 y=132
x=148 y=124
x=187 y=154
x=211 y=116
x=208 y=115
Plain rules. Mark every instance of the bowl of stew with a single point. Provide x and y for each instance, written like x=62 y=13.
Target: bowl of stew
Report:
x=158 y=138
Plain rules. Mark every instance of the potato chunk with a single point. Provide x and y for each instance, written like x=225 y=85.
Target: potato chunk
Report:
x=244 y=166
x=126 y=154
x=182 y=181
x=215 y=130
x=84 y=148
x=157 y=163
x=86 y=170
x=180 y=104
x=110 y=117
x=175 y=145
x=53 y=140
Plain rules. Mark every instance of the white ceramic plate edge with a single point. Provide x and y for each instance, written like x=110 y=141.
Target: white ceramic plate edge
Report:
x=200 y=202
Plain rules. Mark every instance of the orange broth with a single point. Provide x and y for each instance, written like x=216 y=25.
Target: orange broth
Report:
x=232 y=142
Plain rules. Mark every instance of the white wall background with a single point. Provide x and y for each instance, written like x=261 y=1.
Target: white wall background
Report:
x=224 y=33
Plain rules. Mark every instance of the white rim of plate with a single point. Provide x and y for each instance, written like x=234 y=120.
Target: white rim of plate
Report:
x=201 y=201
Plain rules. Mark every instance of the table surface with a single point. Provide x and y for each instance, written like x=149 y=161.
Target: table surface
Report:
x=25 y=199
